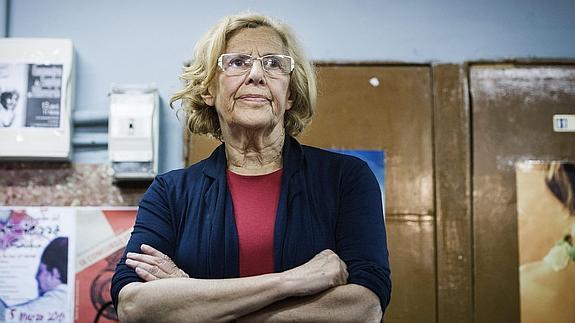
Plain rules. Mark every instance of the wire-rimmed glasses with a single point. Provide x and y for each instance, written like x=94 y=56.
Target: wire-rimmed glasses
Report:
x=238 y=64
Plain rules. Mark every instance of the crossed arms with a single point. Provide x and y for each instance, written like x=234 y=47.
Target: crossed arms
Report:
x=316 y=291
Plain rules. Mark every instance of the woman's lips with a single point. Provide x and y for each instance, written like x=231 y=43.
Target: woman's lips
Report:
x=253 y=98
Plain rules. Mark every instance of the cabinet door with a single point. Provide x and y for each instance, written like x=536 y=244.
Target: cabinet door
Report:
x=390 y=108
x=512 y=112
x=384 y=108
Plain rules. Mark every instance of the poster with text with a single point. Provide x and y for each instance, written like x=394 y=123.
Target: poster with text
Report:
x=105 y=233
x=36 y=264
x=31 y=95
x=375 y=159
x=546 y=226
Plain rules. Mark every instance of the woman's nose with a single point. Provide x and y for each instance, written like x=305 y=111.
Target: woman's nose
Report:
x=256 y=74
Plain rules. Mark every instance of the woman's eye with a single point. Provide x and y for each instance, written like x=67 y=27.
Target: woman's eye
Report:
x=272 y=63
x=237 y=62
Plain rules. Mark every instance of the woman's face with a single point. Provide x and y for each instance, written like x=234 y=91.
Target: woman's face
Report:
x=11 y=101
x=254 y=100
x=542 y=219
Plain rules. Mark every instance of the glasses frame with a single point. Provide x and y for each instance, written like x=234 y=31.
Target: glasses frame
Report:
x=221 y=62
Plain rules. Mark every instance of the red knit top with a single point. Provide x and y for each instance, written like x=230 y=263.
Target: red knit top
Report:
x=255 y=200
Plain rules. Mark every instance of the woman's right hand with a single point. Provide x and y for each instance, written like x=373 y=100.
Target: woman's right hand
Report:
x=325 y=270
x=151 y=264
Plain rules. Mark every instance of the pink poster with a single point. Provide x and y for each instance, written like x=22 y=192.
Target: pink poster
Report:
x=103 y=234
x=36 y=264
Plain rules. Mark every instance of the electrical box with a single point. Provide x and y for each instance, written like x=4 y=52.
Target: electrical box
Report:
x=36 y=98
x=133 y=132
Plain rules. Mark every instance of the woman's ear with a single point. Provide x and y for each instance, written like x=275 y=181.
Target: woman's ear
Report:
x=289 y=101
x=208 y=98
x=289 y=104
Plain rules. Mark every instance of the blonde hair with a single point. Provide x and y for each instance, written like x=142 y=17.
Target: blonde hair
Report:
x=201 y=73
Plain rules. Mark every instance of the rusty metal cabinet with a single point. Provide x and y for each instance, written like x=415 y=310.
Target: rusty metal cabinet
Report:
x=451 y=135
x=512 y=112
x=385 y=107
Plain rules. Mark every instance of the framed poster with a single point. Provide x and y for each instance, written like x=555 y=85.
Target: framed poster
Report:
x=35 y=98
x=31 y=95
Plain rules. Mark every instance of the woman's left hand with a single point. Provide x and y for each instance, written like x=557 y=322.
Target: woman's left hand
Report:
x=151 y=264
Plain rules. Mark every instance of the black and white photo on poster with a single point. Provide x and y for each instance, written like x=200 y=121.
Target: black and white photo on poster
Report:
x=13 y=82
x=44 y=96
x=31 y=95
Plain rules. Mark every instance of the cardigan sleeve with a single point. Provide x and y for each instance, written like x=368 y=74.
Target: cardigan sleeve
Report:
x=154 y=227
x=360 y=232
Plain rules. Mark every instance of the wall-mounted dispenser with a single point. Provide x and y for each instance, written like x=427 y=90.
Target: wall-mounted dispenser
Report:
x=133 y=132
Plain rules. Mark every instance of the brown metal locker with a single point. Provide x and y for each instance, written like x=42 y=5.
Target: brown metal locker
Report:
x=385 y=107
x=392 y=113
x=451 y=124
x=512 y=111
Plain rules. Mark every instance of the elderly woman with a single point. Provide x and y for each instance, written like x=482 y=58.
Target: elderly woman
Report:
x=264 y=229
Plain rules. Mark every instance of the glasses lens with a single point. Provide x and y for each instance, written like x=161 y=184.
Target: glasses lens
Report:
x=277 y=64
x=237 y=64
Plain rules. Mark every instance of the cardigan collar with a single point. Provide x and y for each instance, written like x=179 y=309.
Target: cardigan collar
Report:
x=223 y=238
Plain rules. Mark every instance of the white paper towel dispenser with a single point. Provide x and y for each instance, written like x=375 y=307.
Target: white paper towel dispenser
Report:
x=133 y=132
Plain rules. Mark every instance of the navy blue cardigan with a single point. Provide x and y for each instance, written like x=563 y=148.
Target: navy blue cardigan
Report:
x=327 y=200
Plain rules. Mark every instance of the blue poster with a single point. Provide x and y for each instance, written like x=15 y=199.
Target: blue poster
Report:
x=375 y=159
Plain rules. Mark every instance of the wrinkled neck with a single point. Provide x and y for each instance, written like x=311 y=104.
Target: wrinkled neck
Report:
x=255 y=152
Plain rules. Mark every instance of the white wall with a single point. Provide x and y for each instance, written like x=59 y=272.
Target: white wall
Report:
x=138 y=41
x=3 y=17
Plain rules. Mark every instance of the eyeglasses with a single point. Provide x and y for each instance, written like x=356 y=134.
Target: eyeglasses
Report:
x=238 y=64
